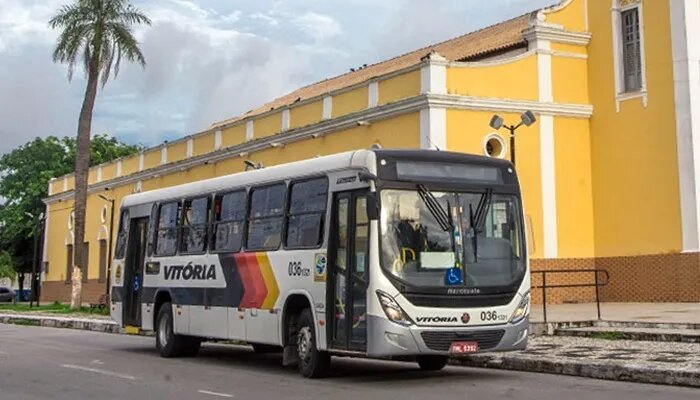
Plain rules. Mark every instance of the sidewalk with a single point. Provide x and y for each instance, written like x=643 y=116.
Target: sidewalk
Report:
x=686 y=313
x=619 y=360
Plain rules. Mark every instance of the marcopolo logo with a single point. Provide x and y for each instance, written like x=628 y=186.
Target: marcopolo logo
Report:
x=190 y=271
x=436 y=319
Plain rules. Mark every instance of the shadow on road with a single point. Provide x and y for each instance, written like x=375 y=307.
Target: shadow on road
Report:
x=343 y=369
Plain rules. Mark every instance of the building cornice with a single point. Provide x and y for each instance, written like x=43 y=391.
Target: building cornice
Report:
x=509 y=105
x=412 y=104
x=556 y=34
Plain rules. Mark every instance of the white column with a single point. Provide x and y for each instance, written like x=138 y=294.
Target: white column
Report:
x=119 y=168
x=285 y=120
x=373 y=94
x=547 y=152
x=217 y=140
x=433 y=128
x=141 y=161
x=327 y=107
x=99 y=174
x=65 y=183
x=433 y=75
x=190 y=148
x=50 y=189
x=249 y=130
x=549 y=190
x=685 y=31
x=164 y=154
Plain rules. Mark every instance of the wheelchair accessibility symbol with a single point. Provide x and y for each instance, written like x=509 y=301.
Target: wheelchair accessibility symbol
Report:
x=453 y=276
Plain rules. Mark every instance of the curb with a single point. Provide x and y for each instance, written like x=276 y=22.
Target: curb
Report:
x=505 y=362
x=585 y=370
x=61 y=322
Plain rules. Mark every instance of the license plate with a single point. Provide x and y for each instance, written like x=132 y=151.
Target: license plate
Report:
x=464 y=347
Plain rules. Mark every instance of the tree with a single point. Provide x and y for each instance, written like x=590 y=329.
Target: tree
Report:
x=98 y=32
x=24 y=177
x=7 y=270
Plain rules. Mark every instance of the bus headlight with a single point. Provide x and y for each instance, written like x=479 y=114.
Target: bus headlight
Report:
x=393 y=310
x=522 y=310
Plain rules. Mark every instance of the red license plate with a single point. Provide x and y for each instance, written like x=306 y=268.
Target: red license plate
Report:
x=464 y=347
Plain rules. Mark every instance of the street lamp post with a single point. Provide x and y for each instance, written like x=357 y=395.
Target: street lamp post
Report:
x=109 y=244
x=527 y=118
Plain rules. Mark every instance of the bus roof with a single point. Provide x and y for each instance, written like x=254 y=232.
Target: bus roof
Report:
x=351 y=159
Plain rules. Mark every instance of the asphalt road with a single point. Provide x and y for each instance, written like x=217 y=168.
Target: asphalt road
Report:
x=46 y=363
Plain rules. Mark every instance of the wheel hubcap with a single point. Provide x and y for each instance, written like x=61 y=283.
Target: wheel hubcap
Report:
x=164 y=331
x=304 y=343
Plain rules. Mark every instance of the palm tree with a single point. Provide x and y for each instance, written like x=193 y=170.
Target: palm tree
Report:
x=98 y=32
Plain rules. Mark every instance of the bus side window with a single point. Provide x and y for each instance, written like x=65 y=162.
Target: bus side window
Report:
x=229 y=220
x=193 y=237
x=120 y=250
x=166 y=230
x=307 y=207
x=266 y=217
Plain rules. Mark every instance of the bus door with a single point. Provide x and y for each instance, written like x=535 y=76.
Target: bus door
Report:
x=348 y=271
x=133 y=270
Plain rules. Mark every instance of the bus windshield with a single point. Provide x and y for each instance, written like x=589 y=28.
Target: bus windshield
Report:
x=481 y=246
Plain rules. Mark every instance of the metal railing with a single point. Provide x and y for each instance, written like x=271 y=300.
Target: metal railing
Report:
x=597 y=283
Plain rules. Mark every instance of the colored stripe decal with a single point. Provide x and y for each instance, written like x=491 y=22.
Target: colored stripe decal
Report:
x=260 y=291
x=248 y=287
x=270 y=281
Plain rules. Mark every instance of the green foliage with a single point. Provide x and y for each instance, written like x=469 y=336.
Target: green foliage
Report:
x=24 y=176
x=54 y=308
x=100 y=33
x=7 y=271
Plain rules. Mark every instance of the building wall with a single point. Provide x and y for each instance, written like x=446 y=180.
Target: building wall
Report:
x=633 y=148
x=600 y=188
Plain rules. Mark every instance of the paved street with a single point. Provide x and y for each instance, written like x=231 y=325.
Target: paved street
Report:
x=42 y=363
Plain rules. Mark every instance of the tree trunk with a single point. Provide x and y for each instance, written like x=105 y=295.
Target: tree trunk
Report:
x=20 y=285
x=82 y=168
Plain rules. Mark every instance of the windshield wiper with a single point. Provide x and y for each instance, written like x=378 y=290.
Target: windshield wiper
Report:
x=443 y=218
x=478 y=219
x=481 y=210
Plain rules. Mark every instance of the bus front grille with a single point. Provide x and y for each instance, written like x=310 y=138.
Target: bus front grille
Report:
x=441 y=340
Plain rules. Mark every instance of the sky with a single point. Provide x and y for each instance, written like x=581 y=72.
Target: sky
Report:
x=210 y=60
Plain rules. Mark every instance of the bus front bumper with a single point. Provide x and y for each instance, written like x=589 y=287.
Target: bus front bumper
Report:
x=389 y=339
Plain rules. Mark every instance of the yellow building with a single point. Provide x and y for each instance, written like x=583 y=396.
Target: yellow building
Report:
x=610 y=171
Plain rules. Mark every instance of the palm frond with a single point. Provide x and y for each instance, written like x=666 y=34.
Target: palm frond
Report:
x=100 y=32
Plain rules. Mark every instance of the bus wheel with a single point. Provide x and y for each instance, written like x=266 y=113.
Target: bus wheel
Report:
x=167 y=342
x=312 y=362
x=431 y=363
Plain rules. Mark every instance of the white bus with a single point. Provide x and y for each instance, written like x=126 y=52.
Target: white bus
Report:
x=397 y=254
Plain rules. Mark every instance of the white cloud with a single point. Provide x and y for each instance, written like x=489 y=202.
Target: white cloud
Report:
x=25 y=22
x=320 y=27
x=210 y=60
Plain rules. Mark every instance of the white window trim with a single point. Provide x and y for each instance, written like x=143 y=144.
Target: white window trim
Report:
x=620 y=94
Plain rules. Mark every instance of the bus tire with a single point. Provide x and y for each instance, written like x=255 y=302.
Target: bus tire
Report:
x=313 y=363
x=168 y=343
x=431 y=363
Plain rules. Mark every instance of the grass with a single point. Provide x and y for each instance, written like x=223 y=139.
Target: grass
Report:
x=54 y=308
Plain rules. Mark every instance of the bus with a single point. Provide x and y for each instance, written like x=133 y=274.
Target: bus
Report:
x=413 y=255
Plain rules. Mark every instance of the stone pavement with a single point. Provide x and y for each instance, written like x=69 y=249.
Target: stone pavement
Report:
x=622 y=360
